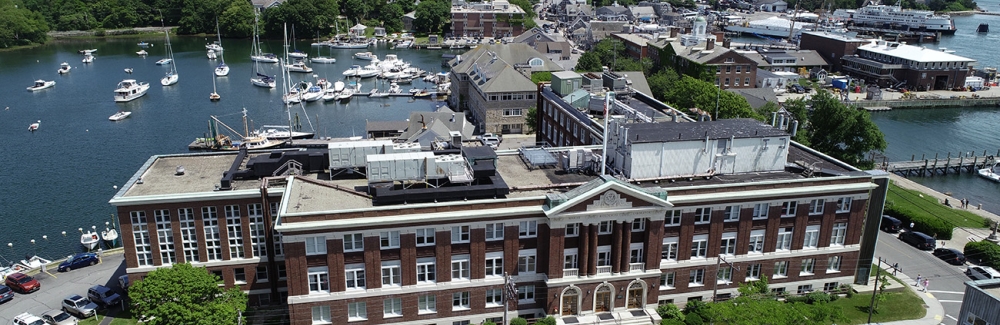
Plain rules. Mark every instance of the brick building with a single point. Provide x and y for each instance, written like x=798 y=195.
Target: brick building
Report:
x=487 y=19
x=831 y=46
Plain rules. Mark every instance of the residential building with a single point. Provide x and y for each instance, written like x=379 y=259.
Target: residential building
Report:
x=551 y=44
x=707 y=60
x=489 y=19
x=797 y=61
x=493 y=82
x=770 y=5
x=265 y=4
x=892 y=64
x=599 y=30
x=613 y=13
x=831 y=46
x=756 y=97
x=979 y=304
x=643 y=13
x=635 y=44
x=408 y=19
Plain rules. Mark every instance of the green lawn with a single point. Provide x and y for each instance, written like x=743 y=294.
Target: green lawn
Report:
x=899 y=306
x=122 y=318
x=928 y=204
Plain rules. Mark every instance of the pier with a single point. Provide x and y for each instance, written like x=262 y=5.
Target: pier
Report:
x=964 y=162
x=926 y=103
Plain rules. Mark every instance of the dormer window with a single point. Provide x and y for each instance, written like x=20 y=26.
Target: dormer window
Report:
x=536 y=62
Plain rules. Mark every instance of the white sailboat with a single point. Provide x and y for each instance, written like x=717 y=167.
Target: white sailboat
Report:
x=323 y=59
x=299 y=65
x=222 y=70
x=256 y=53
x=214 y=96
x=259 y=79
x=295 y=50
x=171 y=77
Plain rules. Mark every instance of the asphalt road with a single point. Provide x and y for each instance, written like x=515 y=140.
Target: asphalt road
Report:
x=54 y=289
x=947 y=282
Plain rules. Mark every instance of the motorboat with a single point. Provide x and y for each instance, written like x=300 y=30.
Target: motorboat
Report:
x=211 y=55
x=404 y=44
x=222 y=69
x=394 y=88
x=142 y=53
x=322 y=59
x=349 y=45
x=171 y=77
x=298 y=54
x=41 y=84
x=88 y=58
x=143 y=44
x=422 y=93
x=128 y=70
x=345 y=95
x=292 y=97
x=990 y=173
x=110 y=236
x=363 y=72
x=330 y=94
x=121 y=115
x=365 y=56
x=90 y=240
x=298 y=66
x=403 y=80
x=338 y=86
x=130 y=89
x=279 y=132
x=313 y=94
x=34 y=126
x=64 y=68
x=215 y=46
x=90 y=51
x=33 y=263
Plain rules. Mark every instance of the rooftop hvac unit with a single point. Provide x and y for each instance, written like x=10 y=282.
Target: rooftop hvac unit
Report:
x=453 y=167
x=351 y=154
x=403 y=147
x=401 y=167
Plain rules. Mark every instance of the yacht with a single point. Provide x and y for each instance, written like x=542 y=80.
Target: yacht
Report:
x=363 y=72
x=121 y=115
x=215 y=46
x=349 y=45
x=129 y=89
x=64 y=68
x=298 y=66
x=279 y=132
x=298 y=54
x=313 y=94
x=323 y=59
x=895 y=17
x=41 y=84
x=365 y=56
x=142 y=53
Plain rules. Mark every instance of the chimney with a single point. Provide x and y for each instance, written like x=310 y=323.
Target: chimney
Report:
x=673 y=32
x=710 y=44
x=726 y=42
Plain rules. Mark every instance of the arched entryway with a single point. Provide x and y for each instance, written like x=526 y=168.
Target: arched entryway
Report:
x=603 y=298
x=570 y=302
x=635 y=297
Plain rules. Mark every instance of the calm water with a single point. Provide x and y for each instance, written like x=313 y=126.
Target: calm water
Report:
x=61 y=177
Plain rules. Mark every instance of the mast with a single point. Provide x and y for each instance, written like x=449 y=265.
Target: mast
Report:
x=218 y=34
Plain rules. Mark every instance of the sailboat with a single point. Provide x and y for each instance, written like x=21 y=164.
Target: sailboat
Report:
x=171 y=77
x=295 y=51
x=299 y=65
x=259 y=79
x=323 y=59
x=222 y=70
x=214 y=96
x=256 y=54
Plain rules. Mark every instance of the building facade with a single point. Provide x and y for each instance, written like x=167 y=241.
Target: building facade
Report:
x=488 y=19
x=894 y=64
x=831 y=46
x=979 y=303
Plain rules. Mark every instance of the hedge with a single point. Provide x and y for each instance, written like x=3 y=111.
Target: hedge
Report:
x=986 y=252
x=923 y=222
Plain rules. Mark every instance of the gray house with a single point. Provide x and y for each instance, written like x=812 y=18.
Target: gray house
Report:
x=613 y=13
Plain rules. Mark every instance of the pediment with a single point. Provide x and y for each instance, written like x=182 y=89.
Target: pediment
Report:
x=606 y=194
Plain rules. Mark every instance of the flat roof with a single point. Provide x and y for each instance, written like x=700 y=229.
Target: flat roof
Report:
x=633 y=38
x=849 y=37
x=673 y=132
x=202 y=173
x=493 y=7
x=912 y=53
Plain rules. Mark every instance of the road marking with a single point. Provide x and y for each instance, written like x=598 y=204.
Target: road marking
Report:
x=948 y=292
x=958 y=301
x=952 y=318
x=938 y=317
x=929 y=294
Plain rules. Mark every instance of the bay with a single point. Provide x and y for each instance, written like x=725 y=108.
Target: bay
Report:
x=60 y=178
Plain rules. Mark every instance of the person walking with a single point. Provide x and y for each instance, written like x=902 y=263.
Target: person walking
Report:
x=918 y=280
x=927 y=282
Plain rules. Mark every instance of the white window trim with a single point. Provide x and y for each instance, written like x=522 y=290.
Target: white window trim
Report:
x=354 y=247
x=527 y=229
x=391 y=265
x=696 y=239
x=360 y=306
x=316 y=245
x=494 y=256
x=812 y=231
x=733 y=215
x=457 y=234
x=780 y=276
x=425 y=261
x=393 y=313
x=816 y=206
x=429 y=240
x=392 y=236
x=527 y=253
x=735 y=247
x=354 y=268
x=760 y=234
x=324 y=313
x=431 y=305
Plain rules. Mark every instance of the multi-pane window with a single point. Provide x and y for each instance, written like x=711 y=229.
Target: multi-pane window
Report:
x=527 y=229
x=571 y=260
x=667 y=280
x=816 y=206
x=258 y=242
x=240 y=275
x=724 y=276
x=319 y=279
x=639 y=225
x=213 y=241
x=426 y=270
x=321 y=315
x=143 y=249
x=459 y=234
x=426 y=304
x=391 y=274
x=697 y=278
x=699 y=246
x=756 y=241
x=573 y=230
x=780 y=269
x=460 y=301
x=354 y=243
x=392 y=307
x=834 y=264
x=494 y=265
x=807 y=266
x=460 y=267
x=357 y=311
x=669 y=252
x=811 y=239
x=844 y=204
x=788 y=208
x=234 y=229
x=603 y=255
x=282 y=271
x=753 y=271
x=732 y=213
x=494 y=231
x=165 y=236
x=261 y=274
x=275 y=235
x=316 y=245
x=604 y=227
x=673 y=218
x=425 y=237
x=728 y=244
x=494 y=297
x=839 y=234
x=355 y=275
x=760 y=210
x=784 y=239
x=389 y=239
x=526 y=293
x=526 y=262
x=702 y=215
x=635 y=253
x=830 y=286
x=189 y=234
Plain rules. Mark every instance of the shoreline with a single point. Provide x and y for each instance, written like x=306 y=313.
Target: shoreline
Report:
x=910 y=184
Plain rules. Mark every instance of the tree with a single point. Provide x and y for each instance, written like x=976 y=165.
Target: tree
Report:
x=517 y=320
x=669 y=311
x=356 y=10
x=20 y=26
x=797 y=107
x=661 y=81
x=844 y=132
x=237 y=20
x=184 y=294
x=754 y=288
x=690 y=92
x=531 y=119
x=431 y=15
x=529 y=13
x=392 y=17
x=588 y=62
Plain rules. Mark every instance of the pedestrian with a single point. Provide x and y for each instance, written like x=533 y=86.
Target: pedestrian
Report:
x=912 y=225
x=918 y=280
x=895 y=267
x=927 y=282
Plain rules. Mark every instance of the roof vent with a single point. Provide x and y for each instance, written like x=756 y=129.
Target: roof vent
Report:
x=179 y=171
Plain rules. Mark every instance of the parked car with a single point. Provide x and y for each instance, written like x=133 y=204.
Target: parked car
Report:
x=103 y=296
x=22 y=283
x=950 y=255
x=6 y=294
x=918 y=240
x=982 y=273
x=27 y=319
x=58 y=317
x=123 y=283
x=77 y=261
x=491 y=140
x=79 y=306
x=890 y=224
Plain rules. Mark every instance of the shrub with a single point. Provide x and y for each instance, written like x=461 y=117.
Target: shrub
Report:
x=100 y=32
x=923 y=222
x=986 y=252
x=518 y=321
x=489 y=323
x=847 y=289
x=672 y=322
x=669 y=311
x=694 y=319
x=546 y=321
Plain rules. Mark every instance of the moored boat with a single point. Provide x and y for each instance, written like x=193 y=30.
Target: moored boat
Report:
x=110 y=235
x=281 y=132
x=121 y=115
x=34 y=126
x=989 y=173
x=142 y=53
x=88 y=58
x=90 y=239
x=130 y=89
x=64 y=68
x=365 y=56
x=33 y=263
x=41 y=84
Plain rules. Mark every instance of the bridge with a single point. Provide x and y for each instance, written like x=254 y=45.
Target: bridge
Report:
x=964 y=162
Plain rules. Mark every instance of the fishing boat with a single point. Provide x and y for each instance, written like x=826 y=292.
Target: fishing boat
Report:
x=34 y=126
x=142 y=53
x=88 y=58
x=121 y=115
x=130 y=89
x=256 y=54
x=365 y=56
x=90 y=239
x=41 y=85
x=247 y=140
x=64 y=68
x=33 y=263
x=110 y=236
x=990 y=173
x=171 y=77
x=222 y=70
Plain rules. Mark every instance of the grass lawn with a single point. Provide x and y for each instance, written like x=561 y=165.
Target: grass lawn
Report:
x=122 y=318
x=930 y=205
x=898 y=306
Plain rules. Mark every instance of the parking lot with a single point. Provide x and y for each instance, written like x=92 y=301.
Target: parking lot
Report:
x=57 y=286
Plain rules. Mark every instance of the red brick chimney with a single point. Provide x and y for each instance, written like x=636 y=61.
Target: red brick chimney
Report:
x=710 y=44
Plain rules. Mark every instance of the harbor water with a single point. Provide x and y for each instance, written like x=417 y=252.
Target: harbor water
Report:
x=60 y=178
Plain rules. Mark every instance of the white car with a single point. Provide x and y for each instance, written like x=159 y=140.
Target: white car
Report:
x=982 y=273
x=491 y=140
x=27 y=319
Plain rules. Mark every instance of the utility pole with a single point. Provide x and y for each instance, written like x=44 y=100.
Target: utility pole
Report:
x=878 y=274
x=718 y=264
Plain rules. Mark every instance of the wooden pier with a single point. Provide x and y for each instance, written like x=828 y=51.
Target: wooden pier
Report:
x=964 y=162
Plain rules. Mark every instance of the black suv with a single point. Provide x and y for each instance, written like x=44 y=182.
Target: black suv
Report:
x=950 y=255
x=890 y=224
x=103 y=296
x=919 y=240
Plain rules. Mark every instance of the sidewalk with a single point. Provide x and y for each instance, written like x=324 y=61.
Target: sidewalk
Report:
x=935 y=312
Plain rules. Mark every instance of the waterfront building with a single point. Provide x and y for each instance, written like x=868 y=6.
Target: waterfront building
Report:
x=493 y=82
x=893 y=64
x=979 y=304
x=797 y=61
x=488 y=19
x=832 y=46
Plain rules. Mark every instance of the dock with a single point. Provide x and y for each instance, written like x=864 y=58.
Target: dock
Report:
x=967 y=162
